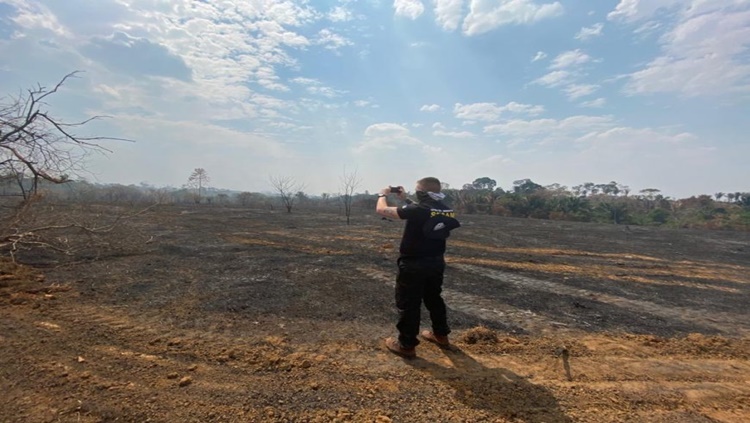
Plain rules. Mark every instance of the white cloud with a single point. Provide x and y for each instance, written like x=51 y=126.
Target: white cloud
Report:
x=448 y=13
x=230 y=49
x=411 y=9
x=391 y=136
x=486 y=112
x=569 y=59
x=576 y=91
x=438 y=125
x=313 y=86
x=626 y=136
x=340 y=14
x=305 y=81
x=486 y=15
x=633 y=10
x=704 y=45
x=331 y=40
x=590 y=32
x=566 y=73
x=569 y=128
x=34 y=16
x=528 y=109
x=325 y=91
x=286 y=125
x=489 y=112
x=702 y=55
x=594 y=104
x=554 y=79
x=453 y=134
x=361 y=103
x=380 y=129
x=540 y=55
x=430 y=108
x=106 y=89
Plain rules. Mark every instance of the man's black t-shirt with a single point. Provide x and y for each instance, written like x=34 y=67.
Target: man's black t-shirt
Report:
x=415 y=243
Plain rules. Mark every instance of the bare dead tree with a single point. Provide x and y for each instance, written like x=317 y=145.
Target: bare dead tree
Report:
x=35 y=146
x=34 y=141
x=287 y=187
x=198 y=180
x=349 y=183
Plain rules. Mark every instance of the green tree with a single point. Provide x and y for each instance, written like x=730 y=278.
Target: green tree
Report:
x=526 y=186
x=484 y=183
x=659 y=216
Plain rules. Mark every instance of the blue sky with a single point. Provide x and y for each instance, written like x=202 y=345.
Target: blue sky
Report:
x=649 y=93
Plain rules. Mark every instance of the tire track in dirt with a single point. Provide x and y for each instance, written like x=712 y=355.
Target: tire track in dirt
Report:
x=723 y=322
x=482 y=307
x=612 y=379
x=124 y=326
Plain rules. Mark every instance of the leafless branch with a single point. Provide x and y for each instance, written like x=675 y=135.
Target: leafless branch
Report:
x=287 y=187
x=349 y=184
x=66 y=239
x=45 y=146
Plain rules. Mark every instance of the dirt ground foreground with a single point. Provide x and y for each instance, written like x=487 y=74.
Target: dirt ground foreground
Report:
x=217 y=314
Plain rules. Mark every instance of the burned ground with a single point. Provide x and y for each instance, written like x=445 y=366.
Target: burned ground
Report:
x=217 y=314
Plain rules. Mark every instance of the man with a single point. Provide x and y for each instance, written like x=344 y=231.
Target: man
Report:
x=420 y=264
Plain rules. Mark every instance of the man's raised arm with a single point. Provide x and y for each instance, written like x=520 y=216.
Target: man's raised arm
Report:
x=382 y=207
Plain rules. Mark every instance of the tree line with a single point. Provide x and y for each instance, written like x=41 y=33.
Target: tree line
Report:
x=602 y=202
x=39 y=150
x=589 y=202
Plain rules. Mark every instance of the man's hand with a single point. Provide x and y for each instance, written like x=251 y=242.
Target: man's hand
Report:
x=401 y=195
x=382 y=206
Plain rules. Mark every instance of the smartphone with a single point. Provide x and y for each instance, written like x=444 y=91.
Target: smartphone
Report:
x=395 y=190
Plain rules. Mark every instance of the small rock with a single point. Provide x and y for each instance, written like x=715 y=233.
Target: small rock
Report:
x=305 y=364
x=193 y=367
x=185 y=381
x=81 y=359
x=314 y=386
x=383 y=419
x=172 y=376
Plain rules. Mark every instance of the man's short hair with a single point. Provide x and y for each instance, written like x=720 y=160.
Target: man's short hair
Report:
x=429 y=184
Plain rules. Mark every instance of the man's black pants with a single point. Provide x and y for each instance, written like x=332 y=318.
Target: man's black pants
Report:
x=420 y=279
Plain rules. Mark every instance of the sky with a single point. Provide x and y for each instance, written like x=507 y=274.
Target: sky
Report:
x=647 y=93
